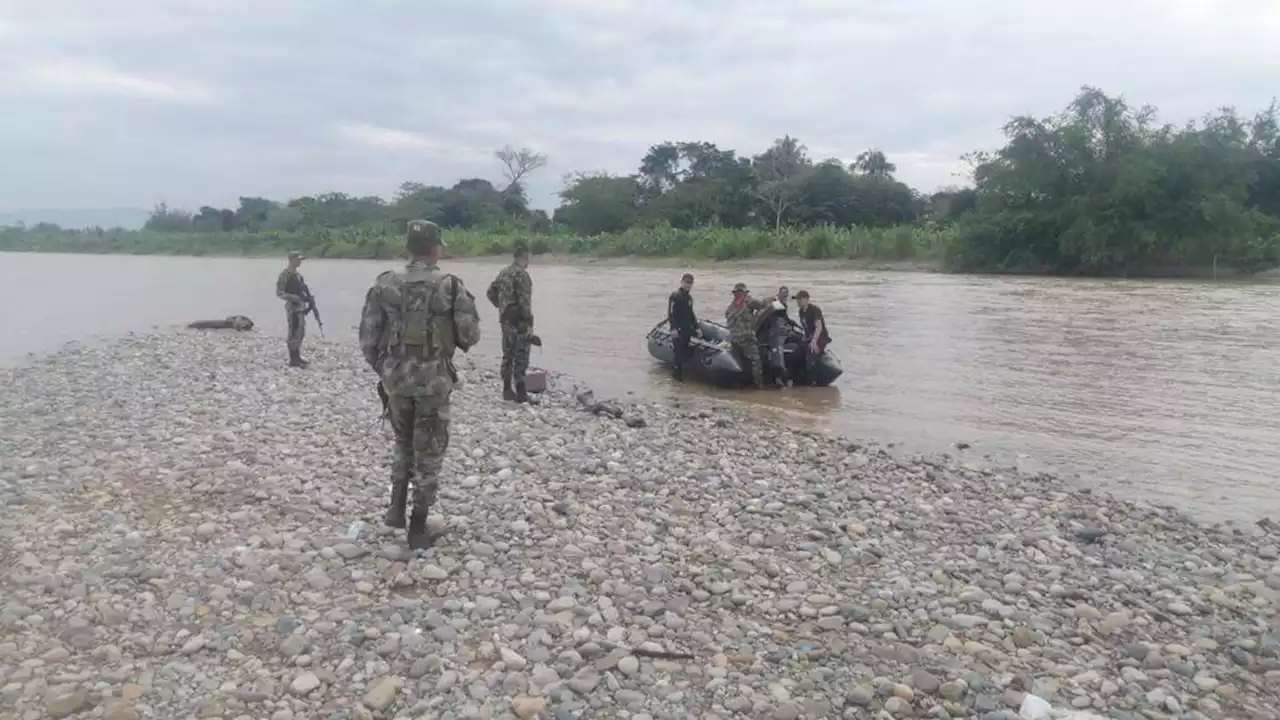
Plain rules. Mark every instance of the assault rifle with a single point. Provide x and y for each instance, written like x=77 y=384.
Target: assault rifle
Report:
x=310 y=300
x=386 y=401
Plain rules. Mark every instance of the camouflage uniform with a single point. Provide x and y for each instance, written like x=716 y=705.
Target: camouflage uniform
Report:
x=741 y=320
x=515 y=314
x=289 y=287
x=412 y=322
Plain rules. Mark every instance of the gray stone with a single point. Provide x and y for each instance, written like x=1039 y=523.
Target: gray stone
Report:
x=304 y=683
x=382 y=692
x=293 y=646
x=954 y=690
x=64 y=704
x=925 y=682
x=861 y=695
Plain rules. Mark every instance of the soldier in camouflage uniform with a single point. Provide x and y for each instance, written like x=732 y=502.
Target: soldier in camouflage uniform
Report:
x=513 y=289
x=291 y=289
x=740 y=317
x=412 y=322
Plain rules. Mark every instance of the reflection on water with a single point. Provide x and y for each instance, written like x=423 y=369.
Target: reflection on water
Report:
x=1163 y=390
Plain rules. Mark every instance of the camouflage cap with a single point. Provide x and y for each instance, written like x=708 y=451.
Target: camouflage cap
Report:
x=425 y=230
x=740 y=288
x=297 y=254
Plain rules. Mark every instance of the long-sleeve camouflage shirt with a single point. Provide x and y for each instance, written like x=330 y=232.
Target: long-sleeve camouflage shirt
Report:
x=289 y=289
x=454 y=320
x=515 y=296
x=741 y=319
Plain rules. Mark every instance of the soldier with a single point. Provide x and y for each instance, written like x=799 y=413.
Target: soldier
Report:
x=291 y=288
x=412 y=322
x=740 y=316
x=512 y=292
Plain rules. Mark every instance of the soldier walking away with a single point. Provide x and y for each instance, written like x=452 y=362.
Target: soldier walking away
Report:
x=291 y=288
x=683 y=322
x=512 y=293
x=412 y=322
x=740 y=317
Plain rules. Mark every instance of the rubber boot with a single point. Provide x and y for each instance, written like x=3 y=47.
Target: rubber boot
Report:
x=522 y=395
x=507 y=393
x=417 y=533
x=395 y=514
x=295 y=359
x=678 y=373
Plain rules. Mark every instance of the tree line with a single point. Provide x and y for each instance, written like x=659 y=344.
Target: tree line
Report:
x=470 y=203
x=1099 y=188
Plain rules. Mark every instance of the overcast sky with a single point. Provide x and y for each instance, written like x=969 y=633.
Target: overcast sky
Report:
x=130 y=102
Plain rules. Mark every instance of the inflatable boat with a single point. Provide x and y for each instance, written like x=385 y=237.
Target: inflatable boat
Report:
x=713 y=360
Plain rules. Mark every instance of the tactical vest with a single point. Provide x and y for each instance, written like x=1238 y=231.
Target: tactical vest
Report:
x=421 y=328
x=294 y=284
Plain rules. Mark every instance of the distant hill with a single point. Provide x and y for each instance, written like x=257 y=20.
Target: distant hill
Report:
x=128 y=218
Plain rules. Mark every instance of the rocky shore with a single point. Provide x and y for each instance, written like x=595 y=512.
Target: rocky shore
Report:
x=182 y=538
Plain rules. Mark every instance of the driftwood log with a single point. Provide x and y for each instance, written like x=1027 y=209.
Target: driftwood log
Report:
x=231 y=322
x=612 y=408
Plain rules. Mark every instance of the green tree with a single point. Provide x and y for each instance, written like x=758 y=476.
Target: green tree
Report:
x=599 y=203
x=1101 y=189
x=252 y=213
x=874 y=163
x=697 y=184
x=168 y=220
x=781 y=170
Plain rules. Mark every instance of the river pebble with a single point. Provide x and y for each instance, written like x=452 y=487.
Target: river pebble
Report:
x=191 y=529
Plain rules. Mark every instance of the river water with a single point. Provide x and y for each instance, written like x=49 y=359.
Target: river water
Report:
x=1161 y=390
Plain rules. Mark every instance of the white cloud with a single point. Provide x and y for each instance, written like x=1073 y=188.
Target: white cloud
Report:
x=80 y=76
x=294 y=93
x=393 y=140
x=383 y=138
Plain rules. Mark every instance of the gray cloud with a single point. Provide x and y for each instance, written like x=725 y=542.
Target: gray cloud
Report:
x=198 y=101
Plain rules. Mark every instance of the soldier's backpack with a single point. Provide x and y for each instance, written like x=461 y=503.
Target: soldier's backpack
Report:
x=419 y=326
x=492 y=292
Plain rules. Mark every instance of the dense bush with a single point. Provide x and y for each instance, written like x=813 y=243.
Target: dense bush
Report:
x=896 y=243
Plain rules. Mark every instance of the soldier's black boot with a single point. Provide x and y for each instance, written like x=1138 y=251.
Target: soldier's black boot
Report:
x=507 y=393
x=295 y=359
x=522 y=395
x=395 y=514
x=417 y=534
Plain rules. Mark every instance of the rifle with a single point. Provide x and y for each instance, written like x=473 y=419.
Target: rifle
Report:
x=386 y=401
x=311 y=306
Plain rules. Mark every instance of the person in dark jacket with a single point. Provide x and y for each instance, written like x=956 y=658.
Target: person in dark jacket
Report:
x=774 y=331
x=683 y=322
x=814 y=326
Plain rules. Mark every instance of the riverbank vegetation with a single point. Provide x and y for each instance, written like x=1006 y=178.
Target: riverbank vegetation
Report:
x=1100 y=188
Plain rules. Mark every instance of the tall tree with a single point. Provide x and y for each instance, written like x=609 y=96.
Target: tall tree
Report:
x=518 y=164
x=874 y=163
x=780 y=170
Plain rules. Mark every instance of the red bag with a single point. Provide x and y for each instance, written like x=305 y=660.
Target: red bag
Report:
x=535 y=381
